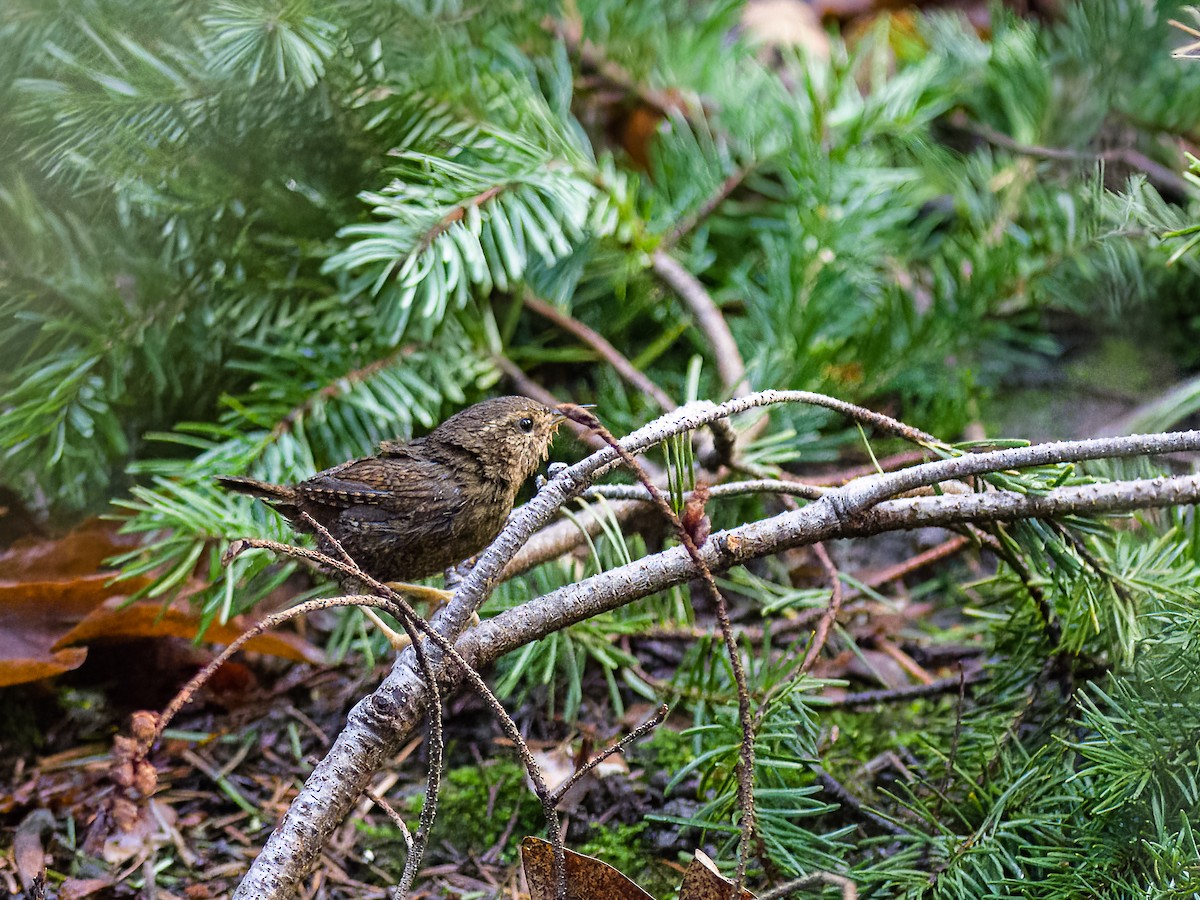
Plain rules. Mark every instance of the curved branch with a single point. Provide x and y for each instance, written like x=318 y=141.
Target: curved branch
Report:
x=606 y=351
x=708 y=319
x=381 y=722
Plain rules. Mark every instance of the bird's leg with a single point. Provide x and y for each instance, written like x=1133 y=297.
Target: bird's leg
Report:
x=420 y=592
x=398 y=639
x=436 y=597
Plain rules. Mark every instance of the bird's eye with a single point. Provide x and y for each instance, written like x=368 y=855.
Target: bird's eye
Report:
x=526 y=425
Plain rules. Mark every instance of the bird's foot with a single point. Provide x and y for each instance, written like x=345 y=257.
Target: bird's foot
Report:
x=422 y=594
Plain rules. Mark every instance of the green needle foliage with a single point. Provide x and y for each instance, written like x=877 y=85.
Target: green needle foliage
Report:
x=261 y=236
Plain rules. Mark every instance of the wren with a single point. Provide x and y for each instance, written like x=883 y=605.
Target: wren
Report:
x=422 y=506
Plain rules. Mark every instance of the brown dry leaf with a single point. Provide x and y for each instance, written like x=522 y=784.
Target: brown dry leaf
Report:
x=56 y=595
x=704 y=881
x=81 y=551
x=34 y=615
x=148 y=619
x=79 y=888
x=27 y=849
x=587 y=877
x=46 y=587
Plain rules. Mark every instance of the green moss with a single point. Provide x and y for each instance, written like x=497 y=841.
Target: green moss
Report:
x=465 y=819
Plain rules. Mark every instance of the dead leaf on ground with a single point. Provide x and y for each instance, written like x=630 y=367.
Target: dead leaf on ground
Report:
x=28 y=851
x=148 y=619
x=80 y=888
x=590 y=879
x=704 y=881
x=587 y=877
x=56 y=597
x=33 y=616
x=81 y=551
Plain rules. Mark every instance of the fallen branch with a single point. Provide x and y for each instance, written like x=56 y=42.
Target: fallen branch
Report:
x=379 y=723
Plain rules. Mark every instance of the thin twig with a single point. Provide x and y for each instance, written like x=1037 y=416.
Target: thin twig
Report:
x=606 y=351
x=729 y=489
x=846 y=798
x=745 y=774
x=382 y=720
x=436 y=741
x=849 y=888
x=690 y=222
x=724 y=438
x=591 y=57
x=391 y=813
x=1135 y=159
x=990 y=537
x=835 y=605
x=185 y=694
x=903 y=694
x=396 y=605
x=645 y=728
x=919 y=561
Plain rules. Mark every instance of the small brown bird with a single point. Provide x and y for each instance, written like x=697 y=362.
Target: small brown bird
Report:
x=419 y=507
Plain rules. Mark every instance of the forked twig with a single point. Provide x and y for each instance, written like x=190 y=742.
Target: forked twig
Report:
x=745 y=773
x=413 y=624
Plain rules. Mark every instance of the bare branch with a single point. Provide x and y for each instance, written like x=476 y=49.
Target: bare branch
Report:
x=729 y=489
x=603 y=349
x=380 y=722
x=745 y=767
x=708 y=319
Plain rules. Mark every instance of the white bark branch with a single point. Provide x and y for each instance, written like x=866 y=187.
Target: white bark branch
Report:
x=380 y=722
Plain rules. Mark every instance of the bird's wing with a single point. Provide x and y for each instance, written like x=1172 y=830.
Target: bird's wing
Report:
x=391 y=483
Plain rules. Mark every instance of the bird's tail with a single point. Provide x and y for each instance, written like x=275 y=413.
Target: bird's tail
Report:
x=263 y=489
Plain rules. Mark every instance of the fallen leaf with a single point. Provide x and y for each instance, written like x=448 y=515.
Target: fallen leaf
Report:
x=148 y=619
x=33 y=616
x=82 y=551
x=704 y=881
x=79 y=888
x=587 y=877
x=28 y=851
x=56 y=598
